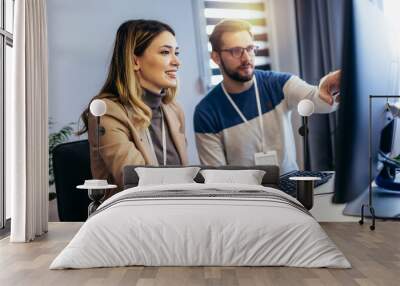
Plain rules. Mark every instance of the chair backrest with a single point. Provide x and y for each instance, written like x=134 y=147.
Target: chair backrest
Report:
x=71 y=163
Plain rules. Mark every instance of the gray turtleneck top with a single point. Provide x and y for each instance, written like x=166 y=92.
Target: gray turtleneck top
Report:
x=153 y=100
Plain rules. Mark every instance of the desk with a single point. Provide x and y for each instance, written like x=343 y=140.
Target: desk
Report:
x=324 y=209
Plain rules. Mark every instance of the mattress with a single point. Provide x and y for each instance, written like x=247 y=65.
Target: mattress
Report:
x=201 y=225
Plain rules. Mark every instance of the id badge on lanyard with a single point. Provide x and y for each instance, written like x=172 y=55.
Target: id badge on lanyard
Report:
x=268 y=158
x=264 y=157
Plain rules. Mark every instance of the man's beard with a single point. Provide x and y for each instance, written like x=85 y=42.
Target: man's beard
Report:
x=235 y=75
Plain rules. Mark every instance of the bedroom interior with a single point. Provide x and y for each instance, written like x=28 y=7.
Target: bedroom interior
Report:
x=197 y=224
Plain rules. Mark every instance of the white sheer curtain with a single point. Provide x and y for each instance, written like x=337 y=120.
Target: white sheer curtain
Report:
x=26 y=124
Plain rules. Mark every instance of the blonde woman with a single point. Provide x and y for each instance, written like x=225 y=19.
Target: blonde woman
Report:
x=140 y=95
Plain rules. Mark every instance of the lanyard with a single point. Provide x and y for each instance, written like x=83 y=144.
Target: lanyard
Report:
x=164 y=140
x=264 y=149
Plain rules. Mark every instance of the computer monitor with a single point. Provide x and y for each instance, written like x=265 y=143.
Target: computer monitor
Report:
x=369 y=67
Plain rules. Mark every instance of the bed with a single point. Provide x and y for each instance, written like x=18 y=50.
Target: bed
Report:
x=201 y=224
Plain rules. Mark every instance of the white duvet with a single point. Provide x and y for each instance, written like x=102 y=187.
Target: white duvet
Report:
x=200 y=231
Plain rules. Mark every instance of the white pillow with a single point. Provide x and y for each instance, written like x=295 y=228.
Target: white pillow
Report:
x=248 y=177
x=163 y=176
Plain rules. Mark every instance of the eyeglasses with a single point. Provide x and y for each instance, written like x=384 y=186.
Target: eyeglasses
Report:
x=237 y=52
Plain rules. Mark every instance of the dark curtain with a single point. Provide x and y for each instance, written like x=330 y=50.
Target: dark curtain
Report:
x=320 y=30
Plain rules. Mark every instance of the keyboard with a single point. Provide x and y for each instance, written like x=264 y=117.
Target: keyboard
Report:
x=289 y=186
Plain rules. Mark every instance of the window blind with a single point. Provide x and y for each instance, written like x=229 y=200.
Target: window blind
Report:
x=252 y=11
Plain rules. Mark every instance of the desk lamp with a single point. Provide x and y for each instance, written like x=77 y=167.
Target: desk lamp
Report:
x=96 y=188
x=98 y=108
x=305 y=109
x=305 y=184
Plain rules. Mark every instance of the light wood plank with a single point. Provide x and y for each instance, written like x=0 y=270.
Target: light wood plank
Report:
x=375 y=257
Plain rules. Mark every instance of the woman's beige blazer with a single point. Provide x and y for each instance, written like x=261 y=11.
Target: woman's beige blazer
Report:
x=123 y=143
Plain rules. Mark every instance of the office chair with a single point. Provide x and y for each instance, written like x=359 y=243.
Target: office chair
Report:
x=71 y=163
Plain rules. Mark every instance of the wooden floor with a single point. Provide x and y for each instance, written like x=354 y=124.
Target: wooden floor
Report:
x=374 y=255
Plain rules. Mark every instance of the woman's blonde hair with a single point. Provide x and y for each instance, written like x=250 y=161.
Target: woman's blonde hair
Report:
x=122 y=83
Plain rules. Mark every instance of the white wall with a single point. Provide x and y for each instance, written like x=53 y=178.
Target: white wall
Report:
x=81 y=36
